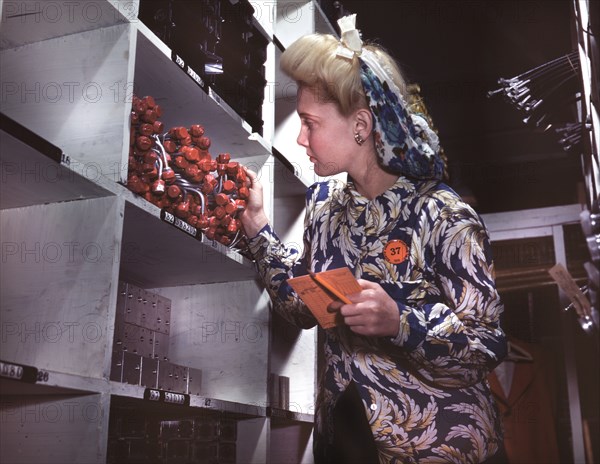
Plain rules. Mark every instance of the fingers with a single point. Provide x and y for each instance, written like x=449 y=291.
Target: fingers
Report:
x=255 y=200
x=370 y=322
x=372 y=312
x=335 y=306
x=367 y=294
x=368 y=284
x=253 y=217
x=357 y=320
x=252 y=176
x=349 y=310
x=369 y=290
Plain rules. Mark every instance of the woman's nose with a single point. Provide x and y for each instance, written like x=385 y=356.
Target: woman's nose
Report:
x=302 y=140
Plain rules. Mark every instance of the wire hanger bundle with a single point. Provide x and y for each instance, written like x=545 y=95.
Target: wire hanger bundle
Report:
x=175 y=171
x=541 y=93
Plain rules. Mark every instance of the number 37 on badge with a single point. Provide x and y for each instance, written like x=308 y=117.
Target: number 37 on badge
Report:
x=395 y=251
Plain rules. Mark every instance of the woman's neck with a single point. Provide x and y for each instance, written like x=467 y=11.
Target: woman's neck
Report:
x=372 y=181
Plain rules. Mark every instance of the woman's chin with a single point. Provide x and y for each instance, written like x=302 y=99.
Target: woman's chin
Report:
x=325 y=170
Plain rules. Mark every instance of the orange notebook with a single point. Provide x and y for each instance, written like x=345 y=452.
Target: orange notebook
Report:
x=319 y=290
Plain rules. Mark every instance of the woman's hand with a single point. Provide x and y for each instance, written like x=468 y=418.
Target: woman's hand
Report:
x=372 y=313
x=253 y=217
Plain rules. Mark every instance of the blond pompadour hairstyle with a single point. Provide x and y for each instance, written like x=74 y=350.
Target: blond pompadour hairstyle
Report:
x=311 y=61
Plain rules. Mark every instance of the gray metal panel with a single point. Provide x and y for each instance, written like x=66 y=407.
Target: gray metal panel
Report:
x=57 y=285
x=138 y=340
x=166 y=371
x=116 y=370
x=513 y=224
x=132 y=368
x=570 y=361
x=163 y=315
x=54 y=429
x=161 y=346
x=194 y=381
x=149 y=377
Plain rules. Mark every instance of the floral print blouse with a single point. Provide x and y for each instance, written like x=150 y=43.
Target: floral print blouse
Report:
x=424 y=392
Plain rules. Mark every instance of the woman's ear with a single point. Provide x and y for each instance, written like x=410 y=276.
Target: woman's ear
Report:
x=363 y=122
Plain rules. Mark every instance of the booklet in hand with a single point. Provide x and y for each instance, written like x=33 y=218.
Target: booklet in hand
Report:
x=319 y=290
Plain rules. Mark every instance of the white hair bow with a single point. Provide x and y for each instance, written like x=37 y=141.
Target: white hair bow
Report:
x=350 y=42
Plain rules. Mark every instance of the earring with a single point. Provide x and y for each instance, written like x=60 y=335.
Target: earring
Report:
x=359 y=140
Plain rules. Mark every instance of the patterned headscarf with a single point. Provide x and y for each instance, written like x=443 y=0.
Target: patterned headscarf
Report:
x=404 y=140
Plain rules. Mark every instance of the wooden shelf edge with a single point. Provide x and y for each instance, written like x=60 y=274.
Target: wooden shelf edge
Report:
x=25 y=23
x=287 y=415
x=30 y=138
x=57 y=383
x=242 y=410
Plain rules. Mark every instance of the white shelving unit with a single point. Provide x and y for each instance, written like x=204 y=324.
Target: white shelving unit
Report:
x=293 y=351
x=294 y=19
x=71 y=231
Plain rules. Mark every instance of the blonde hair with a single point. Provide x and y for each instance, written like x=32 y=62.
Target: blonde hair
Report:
x=312 y=62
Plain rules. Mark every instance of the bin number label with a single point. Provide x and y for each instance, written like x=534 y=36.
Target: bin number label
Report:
x=11 y=371
x=174 y=398
x=165 y=396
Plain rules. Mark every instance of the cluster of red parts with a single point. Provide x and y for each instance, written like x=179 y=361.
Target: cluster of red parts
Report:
x=175 y=171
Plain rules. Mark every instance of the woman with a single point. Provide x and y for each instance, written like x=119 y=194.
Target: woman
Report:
x=404 y=376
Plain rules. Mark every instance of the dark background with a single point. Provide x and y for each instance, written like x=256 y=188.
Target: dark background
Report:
x=456 y=50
